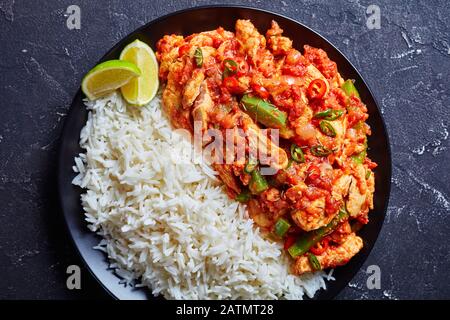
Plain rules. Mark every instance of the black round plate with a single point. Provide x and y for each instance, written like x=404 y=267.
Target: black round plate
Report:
x=200 y=19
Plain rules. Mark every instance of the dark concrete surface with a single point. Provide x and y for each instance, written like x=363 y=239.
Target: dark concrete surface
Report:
x=406 y=63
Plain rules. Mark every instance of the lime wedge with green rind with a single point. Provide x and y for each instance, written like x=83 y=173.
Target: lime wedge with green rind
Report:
x=107 y=77
x=140 y=91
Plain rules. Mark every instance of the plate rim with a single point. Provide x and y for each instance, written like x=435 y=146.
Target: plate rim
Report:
x=79 y=95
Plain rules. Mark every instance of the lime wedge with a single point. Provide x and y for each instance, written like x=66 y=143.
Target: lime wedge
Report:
x=140 y=91
x=107 y=77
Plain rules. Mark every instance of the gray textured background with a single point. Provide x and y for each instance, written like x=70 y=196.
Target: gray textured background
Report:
x=406 y=63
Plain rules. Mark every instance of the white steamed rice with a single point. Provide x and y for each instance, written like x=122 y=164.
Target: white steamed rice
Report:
x=168 y=224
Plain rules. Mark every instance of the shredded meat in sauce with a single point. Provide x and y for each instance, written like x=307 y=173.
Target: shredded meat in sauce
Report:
x=321 y=168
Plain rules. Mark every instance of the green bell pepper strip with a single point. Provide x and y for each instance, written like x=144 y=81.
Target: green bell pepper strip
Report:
x=350 y=89
x=243 y=197
x=281 y=227
x=251 y=165
x=258 y=183
x=359 y=157
x=314 y=262
x=264 y=112
x=198 y=55
x=309 y=239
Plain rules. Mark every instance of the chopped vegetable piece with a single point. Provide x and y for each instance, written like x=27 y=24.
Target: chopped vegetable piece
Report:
x=314 y=262
x=368 y=173
x=327 y=129
x=244 y=196
x=183 y=49
x=320 y=247
x=281 y=227
x=320 y=151
x=251 y=165
x=257 y=183
x=289 y=242
x=350 y=89
x=323 y=114
x=307 y=240
x=264 y=112
x=297 y=153
x=359 y=157
x=232 y=84
x=329 y=114
x=317 y=89
x=260 y=91
x=230 y=67
x=198 y=55
x=313 y=172
x=335 y=114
